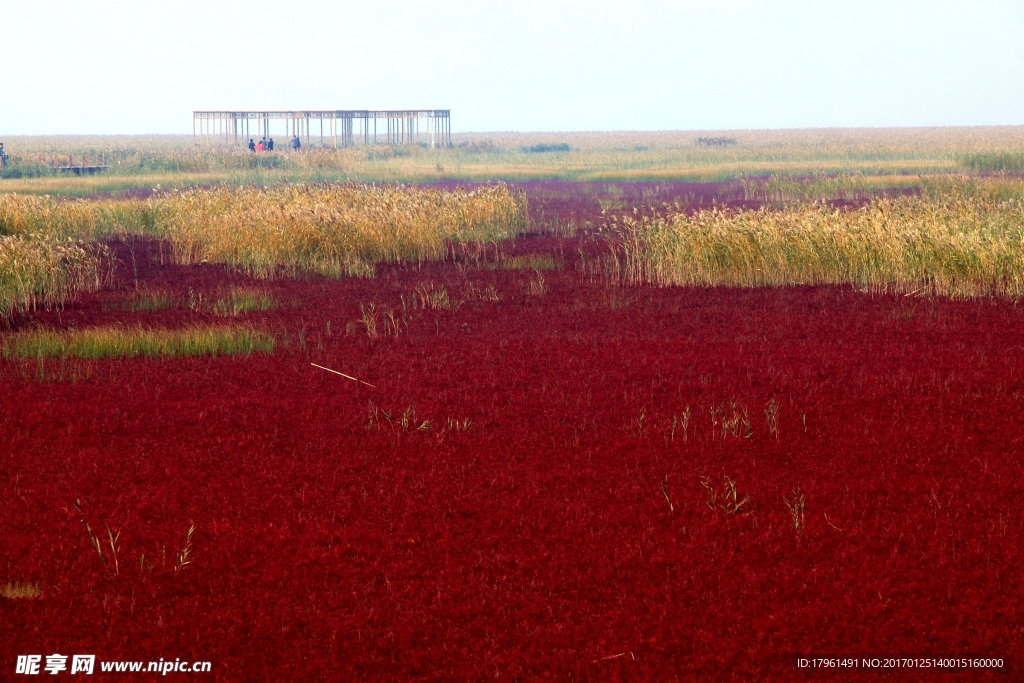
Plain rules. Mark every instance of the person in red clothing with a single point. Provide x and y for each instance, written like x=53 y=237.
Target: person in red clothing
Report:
x=259 y=146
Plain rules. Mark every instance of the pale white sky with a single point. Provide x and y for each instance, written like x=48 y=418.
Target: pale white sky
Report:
x=75 y=66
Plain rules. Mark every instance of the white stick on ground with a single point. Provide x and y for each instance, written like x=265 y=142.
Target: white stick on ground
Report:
x=343 y=375
x=621 y=654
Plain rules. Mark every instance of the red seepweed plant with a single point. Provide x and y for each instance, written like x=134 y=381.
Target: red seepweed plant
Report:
x=613 y=482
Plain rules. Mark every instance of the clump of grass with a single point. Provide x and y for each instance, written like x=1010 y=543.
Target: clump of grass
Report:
x=476 y=293
x=680 y=423
x=71 y=370
x=36 y=271
x=458 y=425
x=230 y=303
x=536 y=286
x=380 y=323
x=796 y=504
x=405 y=421
x=961 y=238
x=151 y=300
x=735 y=420
x=333 y=229
x=527 y=262
x=368 y=318
x=242 y=300
x=97 y=343
x=728 y=500
x=436 y=298
x=17 y=590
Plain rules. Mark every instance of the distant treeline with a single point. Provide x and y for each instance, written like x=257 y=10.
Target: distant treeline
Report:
x=548 y=147
x=715 y=142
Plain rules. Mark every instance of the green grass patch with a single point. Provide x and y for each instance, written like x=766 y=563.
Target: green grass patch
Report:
x=527 y=262
x=239 y=301
x=994 y=162
x=149 y=300
x=98 y=343
x=231 y=303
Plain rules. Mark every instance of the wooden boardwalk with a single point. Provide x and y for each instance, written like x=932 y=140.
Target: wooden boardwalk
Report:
x=83 y=170
x=344 y=127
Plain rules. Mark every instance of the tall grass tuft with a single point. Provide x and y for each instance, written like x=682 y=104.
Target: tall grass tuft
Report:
x=332 y=229
x=43 y=272
x=238 y=300
x=961 y=238
x=77 y=219
x=100 y=343
x=150 y=300
x=230 y=302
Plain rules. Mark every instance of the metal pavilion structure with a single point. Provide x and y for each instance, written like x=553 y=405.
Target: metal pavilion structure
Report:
x=331 y=128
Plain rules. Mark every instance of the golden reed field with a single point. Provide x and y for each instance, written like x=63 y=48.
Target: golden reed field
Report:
x=960 y=238
x=52 y=248
x=952 y=227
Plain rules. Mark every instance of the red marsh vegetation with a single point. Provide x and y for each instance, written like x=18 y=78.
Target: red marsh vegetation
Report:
x=537 y=474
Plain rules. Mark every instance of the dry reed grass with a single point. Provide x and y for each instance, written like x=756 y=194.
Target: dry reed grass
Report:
x=39 y=271
x=961 y=238
x=64 y=219
x=17 y=590
x=782 y=190
x=333 y=229
x=328 y=229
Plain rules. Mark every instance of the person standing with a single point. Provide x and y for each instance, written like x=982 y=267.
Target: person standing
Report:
x=259 y=146
x=270 y=145
x=3 y=156
x=296 y=143
x=252 y=145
